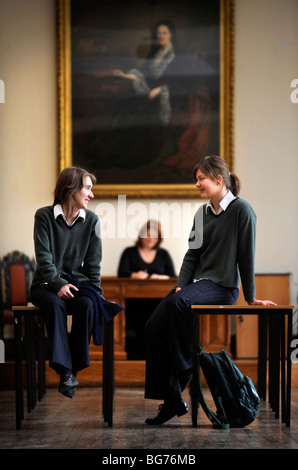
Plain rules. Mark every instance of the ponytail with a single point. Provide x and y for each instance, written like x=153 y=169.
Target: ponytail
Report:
x=235 y=184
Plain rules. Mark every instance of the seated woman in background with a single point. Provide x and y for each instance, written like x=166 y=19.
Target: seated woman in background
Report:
x=145 y=260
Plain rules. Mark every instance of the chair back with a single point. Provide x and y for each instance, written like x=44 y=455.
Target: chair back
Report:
x=16 y=275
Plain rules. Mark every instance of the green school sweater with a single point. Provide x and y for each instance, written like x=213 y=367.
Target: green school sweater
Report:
x=222 y=248
x=59 y=249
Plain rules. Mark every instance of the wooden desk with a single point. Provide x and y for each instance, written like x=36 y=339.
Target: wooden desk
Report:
x=34 y=336
x=272 y=328
x=216 y=333
x=215 y=330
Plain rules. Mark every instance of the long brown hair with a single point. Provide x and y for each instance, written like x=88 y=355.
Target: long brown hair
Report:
x=213 y=167
x=70 y=181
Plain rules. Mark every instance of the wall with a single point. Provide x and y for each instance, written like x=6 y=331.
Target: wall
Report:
x=266 y=138
x=27 y=118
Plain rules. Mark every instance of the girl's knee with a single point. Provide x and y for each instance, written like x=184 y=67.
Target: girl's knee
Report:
x=177 y=303
x=84 y=302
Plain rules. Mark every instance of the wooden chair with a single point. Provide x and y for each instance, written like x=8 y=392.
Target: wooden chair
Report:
x=16 y=274
x=274 y=341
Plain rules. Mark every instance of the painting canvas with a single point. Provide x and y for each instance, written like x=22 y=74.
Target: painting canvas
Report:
x=144 y=87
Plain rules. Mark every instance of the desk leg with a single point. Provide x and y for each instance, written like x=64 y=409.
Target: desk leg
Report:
x=33 y=359
x=104 y=380
x=277 y=343
x=29 y=338
x=274 y=362
x=19 y=390
x=195 y=378
x=262 y=354
x=108 y=382
x=289 y=370
x=41 y=358
x=275 y=339
x=282 y=367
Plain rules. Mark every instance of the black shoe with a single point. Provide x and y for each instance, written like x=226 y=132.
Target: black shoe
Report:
x=69 y=393
x=168 y=411
x=67 y=385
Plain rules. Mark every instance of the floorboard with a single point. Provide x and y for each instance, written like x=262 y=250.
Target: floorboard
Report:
x=60 y=423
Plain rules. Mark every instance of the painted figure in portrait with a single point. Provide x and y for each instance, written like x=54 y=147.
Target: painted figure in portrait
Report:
x=145 y=102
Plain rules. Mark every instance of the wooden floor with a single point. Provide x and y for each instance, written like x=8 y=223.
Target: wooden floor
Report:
x=60 y=423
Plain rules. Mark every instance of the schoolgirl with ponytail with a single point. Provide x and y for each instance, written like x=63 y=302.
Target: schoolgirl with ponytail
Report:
x=221 y=254
x=215 y=167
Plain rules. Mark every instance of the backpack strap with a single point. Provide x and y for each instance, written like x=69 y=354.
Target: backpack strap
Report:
x=218 y=423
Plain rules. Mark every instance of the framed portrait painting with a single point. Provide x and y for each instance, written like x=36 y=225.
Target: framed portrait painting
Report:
x=145 y=90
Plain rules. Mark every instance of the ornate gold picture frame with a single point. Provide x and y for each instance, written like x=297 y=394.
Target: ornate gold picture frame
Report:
x=131 y=157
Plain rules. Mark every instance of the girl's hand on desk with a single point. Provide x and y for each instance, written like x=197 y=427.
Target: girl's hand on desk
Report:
x=261 y=302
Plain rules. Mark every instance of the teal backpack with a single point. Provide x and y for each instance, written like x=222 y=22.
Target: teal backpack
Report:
x=236 y=399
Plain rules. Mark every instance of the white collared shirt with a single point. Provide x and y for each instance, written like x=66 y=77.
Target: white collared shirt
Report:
x=229 y=197
x=58 y=211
